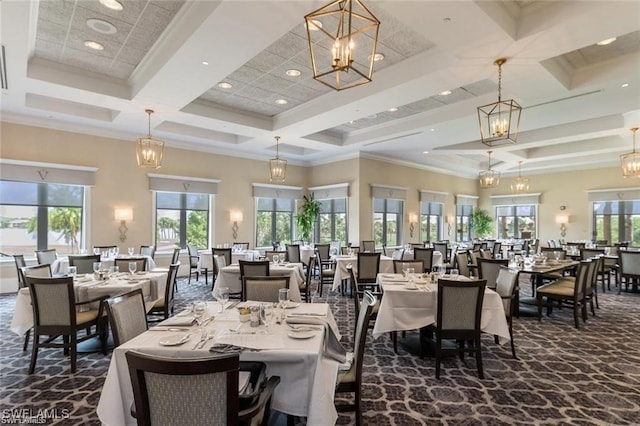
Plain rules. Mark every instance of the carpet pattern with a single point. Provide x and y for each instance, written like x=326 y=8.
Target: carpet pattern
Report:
x=563 y=376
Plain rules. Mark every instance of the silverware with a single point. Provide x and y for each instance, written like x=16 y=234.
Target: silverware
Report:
x=160 y=328
x=203 y=337
x=204 y=342
x=306 y=314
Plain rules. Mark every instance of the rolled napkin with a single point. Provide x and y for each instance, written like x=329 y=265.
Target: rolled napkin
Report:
x=332 y=347
x=179 y=321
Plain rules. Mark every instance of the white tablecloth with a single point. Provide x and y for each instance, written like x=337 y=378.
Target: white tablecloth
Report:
x=386 y=266
x=307 y=379
x=229 y=277
x=61 y=264
x=206 y=259
x=403 y=309
x=152 y=284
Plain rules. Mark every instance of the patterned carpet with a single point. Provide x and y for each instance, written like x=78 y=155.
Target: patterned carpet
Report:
x=563 y=376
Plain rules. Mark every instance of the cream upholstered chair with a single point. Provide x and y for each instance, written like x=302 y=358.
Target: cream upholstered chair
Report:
x=399 y=266
x=84 y=263
x=55 y=313
x=426 y=255
x=507 y=288
x=193 y=391
x=629 y=268
x=147 y=251
x=127 y=316
x=305 y=287
x=163 y=307
x=368 y=246
x=488 y=270
x=123 y=263
x=351 y=380
x=293 y=253
x=368 y=268
x=263 y=289
x=46 y=256
x=20 y=265
x=462 y=263
x=194 y=261
x=226 y=252
x=326 y=267
x=40 y=271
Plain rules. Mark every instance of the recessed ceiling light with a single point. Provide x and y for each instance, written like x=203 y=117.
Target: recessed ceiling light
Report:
x=394 y=109
x=293 y=73
x=425 y=152
x=378 y=57
x=433 y=130
x=101 y=26
x=225 y=85
x=112 y=4
x=93 y=45
x=316 y=25
x=446 y=20
x=205 y=63
x=625 y=85
x=606 y=41
x=445 y=93
x=352 y=121
x=282 y=101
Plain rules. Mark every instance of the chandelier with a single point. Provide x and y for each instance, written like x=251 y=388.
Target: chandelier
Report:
x=277 y=166
x=489 y=178
x=499 y=121
x=343 y=36
x=149 y=150
x=519 y=184
x=630 y=161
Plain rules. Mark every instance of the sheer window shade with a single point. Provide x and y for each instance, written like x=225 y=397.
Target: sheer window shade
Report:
x=181 y=184
x=28 y=171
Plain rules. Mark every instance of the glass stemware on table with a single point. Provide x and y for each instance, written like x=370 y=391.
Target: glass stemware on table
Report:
x=199 y=309
x=266 y=313
x=97 y=266
x=223 y=297
x=132 y=267
x=130 y=250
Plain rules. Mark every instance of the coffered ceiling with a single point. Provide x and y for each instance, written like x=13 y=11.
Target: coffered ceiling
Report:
x=579 y=98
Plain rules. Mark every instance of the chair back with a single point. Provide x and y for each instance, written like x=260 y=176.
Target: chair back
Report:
x=127 y=316
x=40 y=271
x=345 y=250
x=194 y=256
x=496 y=250
x=462 y=263
x=506 y=287
x=263 y=289
x=175 y=257
x=53 y=303
x=459 y=307
x=368 y=246
x=123 y=263
x=629 y=263
x=243 y=245
x=443 y=248
x=293 y=253
x=584 y=273
x=368 y=303
x=46 y=256
x=417 y=245
x=474 y=255
x=147 y=251
x=488 y=270
x=268 y=254
x=323 y=251
x=254 y=268
x=368 y=266
x=399 y=266
x=426 y=255
x=592 y=279
x=162 y=385
x=551 y=252
x=226 y=252
x=588 y=253
x=170 y=287
x=84 y=263
x=397 y=254
x=20 y=263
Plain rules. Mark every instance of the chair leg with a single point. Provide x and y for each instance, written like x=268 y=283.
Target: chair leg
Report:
x=34 y=353
x=479 y=358
x=26 y=340
x=356 y=403
x=576 y=316
x=394 y=338
x=74 y=352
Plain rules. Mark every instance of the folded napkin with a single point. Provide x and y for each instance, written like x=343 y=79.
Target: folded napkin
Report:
x=251 y=341
x=332 y=347
x=179 y=321
x=394 y=278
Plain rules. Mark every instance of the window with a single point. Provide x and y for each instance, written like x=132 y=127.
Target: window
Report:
x=617 y=221
x=332 y=223
x=514 y=221
x=430 y=221
x=274 y=221
x=463 y=218
x=387 y=221
x=181 y=218
x=38 y=216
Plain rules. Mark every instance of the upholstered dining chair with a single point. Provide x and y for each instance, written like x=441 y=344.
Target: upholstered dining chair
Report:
x=193 y=391
x=20 y=264
x=368 y=268
x=426 y=255
x=243 y=245
x=629 y=269
x=56 y=313
x=127 y=316
x=350 y=381
x=123 y=263
x=458 y=319
x=268 y=254
x=488 y=270
x=263 y=289
x=40 y=271
x=368 y=246
x=194 y=259
x=326 y=268
x=46 y=256
x=305 y=287
x=225 y=252
x=462 y=263
x=354 y=249
x=253 y=268
x=507 y=288
x=163 y=307
x=399 y=266
x=443 y=248
x=148 y=251
x=293 y=253
x=84 y=263
x=496 y=251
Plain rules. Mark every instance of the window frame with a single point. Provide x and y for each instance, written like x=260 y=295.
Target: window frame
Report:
x=332 y=213
x=274 y=222
x=183 y=217
x=514 y=217
x=425 y=229
x=399 y=221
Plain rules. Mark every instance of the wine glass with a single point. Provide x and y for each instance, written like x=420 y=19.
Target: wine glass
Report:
x=281 y=257
x=223 y=297
x=130 y=250
x=409 y=273
x=199 y=309
x=97 y=266
x=132 y=267
x=275 y=258
x=266 y=313
x=96 y=250
x=283 y=297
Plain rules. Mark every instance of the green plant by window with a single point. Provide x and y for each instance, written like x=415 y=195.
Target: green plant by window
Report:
x=481 y=223
x=307 y=216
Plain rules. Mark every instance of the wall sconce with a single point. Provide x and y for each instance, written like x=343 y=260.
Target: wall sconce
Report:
x=413 y=218
x=123 y=215
x=235 y=216
x=450 y=221
x=562 y=220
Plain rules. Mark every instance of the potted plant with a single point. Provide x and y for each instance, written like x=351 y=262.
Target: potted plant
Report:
x=307 y=216
x=481 y=223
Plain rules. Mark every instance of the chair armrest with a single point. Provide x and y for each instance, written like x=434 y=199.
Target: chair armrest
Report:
x=265 y=396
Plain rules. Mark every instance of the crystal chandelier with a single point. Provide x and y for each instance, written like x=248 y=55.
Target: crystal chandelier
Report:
x=630 y=161
x=519 y=184
x=343 y=37
x=277 y=166
x=489 y=178
x=148 y=149
x=499 y=121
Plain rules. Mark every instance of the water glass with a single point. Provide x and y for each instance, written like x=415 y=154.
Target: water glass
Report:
x=130 y=250
x=454 y=273
x=96 y=250
x=266 y=313
x=73 y=270
x=223 y=297
x=281 y=257
x=283 y=297
x=97 y=266
x=132 y=267
x=409 y=272
x=198 y=310
x=116 y=269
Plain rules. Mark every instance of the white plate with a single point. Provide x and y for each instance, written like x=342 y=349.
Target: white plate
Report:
x=175 y=339
x=301 y=334
x=141 y=273
x=406 y=287
x=292 y=305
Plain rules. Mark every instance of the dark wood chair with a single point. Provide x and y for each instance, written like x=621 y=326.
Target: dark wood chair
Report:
x=399 y=266
x=629 y=269
x=39 y=271
x=226 y=252
x=127 y=316
x=368 y=269
x=326 y=268
x=368 y=246
x=293 y=253
x=55 y=314
x=20 y=264
x=46 y=256
x=163 y=307
x=305 y=288
x=123 y=263
x=84 y=263
x=148 y=251
x=263 y=289
x=253 y=268
x=488 y=270
x=507 y=287
x=426 y=255
x=194 y=259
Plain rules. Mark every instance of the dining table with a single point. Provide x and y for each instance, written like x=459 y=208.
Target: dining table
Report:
x=205 y=261
x=229 y=277
x=89 y=286
x=404 y=307
x=60 y=266
x=294 y=352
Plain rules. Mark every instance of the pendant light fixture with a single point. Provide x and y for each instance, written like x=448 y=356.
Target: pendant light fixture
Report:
x=519 y=184
x=343 y=37
x=489 y=178
x=499 y=121
x=277 y=166
x=149 y=150
x=630 y=162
